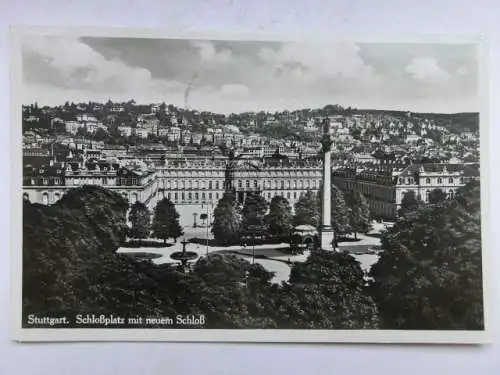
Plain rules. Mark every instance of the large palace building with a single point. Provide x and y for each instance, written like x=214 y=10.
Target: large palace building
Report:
x=194 y=185
x=384 y=185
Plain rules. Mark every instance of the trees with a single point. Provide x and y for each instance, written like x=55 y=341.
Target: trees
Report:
x=437 y=196
x=358 y=212
x=307 y=210
x=326 y=292
x=230 y=292
x=166 y=221
x=100 y=134
x=279 y=219
x=140 y=218
x=408 y=203
x=253 y=212
x=429 y=275
x=227 y=220
x=340 y=214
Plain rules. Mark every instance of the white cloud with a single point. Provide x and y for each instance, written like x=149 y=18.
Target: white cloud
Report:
x=322 y=59
x=208 y=53
x=86 y=73
x=426 y=69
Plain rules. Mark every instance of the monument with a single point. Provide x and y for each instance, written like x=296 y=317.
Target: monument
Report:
x=326 y=233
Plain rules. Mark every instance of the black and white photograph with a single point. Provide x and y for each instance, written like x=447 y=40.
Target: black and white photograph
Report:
x=225 y=188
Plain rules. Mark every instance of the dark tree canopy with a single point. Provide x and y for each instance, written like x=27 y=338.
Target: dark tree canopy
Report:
x=140 y=219
x=166 y=221
x=227 y=220
x=358 y=212
x=340 y=214
x=437 y=196
x=429 y=275
x=307 y=210
x=253 y=212
x=279 y=219
x=409 y=203
x=327 y=292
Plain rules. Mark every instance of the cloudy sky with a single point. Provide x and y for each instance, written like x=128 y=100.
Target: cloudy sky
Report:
x=229 y=76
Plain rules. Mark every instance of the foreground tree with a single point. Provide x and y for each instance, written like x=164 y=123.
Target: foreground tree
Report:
x=253 y=212
x=227 y=220
x=358 y=212
x=409 y=203
x=166 y=221
x=340 y=214
x=437 y=196
x=326 y=292
x=279 y=219
x=429 y=275
x=140 y=218
x=230 y=292
x=307 y=210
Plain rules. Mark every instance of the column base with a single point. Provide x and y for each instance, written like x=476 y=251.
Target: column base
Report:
x=327 y=236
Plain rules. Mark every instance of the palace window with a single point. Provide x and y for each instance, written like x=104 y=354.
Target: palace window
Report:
x=240 y=184
x=176 y=196
x=427 y=180
x=196 y=196
x=210 y=185
x=247 y=184
x=183 y=197
x=294 y=195
x=203 y=196
x=451 y=194
x=190 y=196
x=210 y=195
x=461 y=180
x=450 y=180
x=255 y=183
x=288 y=195
x=282 y=184
x=188 y=184
x=216 y=195
x=440 y=180
x=104 y=181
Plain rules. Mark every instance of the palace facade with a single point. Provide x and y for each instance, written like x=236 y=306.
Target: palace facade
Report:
x=384 y=186
x=194 y=185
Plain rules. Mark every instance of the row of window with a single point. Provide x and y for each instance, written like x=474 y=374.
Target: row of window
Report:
x=410 y=180
x=46 y=181
x=195 y=197
x=267 y=184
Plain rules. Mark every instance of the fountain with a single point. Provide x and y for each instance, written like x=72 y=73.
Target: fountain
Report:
x=184 y=256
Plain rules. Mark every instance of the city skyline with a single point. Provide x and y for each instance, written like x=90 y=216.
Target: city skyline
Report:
x=239 y=76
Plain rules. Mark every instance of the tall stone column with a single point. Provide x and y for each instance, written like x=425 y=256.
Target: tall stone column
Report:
x=326 y=230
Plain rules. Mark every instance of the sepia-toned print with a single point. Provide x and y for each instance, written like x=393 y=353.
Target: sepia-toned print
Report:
x=194 y=188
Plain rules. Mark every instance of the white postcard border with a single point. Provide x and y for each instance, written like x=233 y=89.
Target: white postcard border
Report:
x=233 y=335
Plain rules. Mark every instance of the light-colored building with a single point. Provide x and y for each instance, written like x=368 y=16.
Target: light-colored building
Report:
x=384 y=186
x=47 y=184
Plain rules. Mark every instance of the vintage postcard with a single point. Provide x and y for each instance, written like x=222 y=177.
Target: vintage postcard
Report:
x=215 y=187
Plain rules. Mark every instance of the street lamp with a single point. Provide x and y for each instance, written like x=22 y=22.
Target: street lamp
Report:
x=253 y=229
